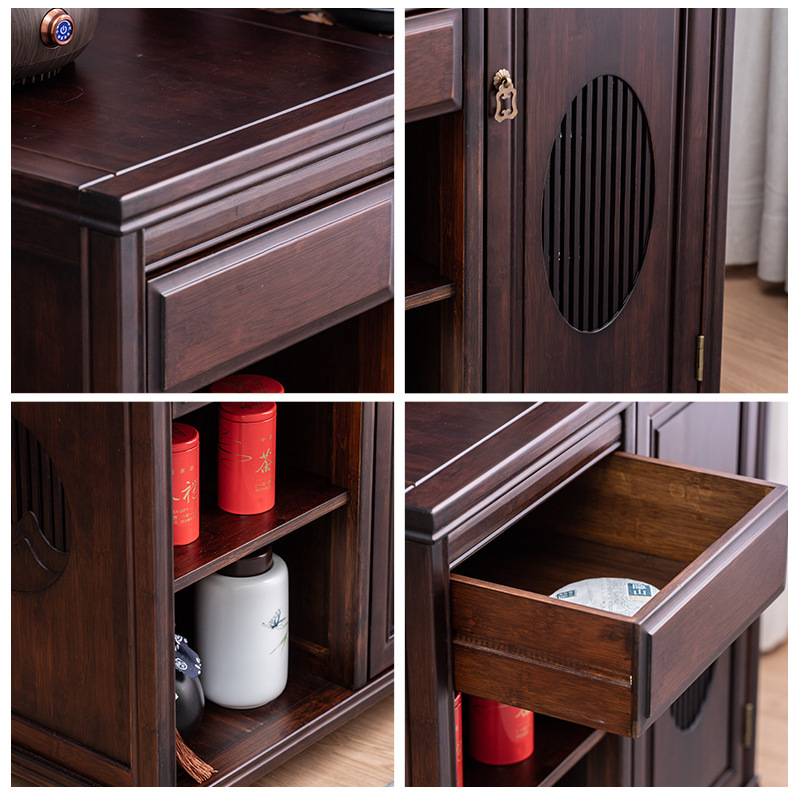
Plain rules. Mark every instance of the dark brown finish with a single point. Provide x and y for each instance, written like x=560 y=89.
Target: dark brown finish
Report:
x=301 y=498
x=159 y=144
x=525 y=237
x=381 y=642
x=458 y=446
x=116 y=589
x=424 y=285
x=558 y=746
x=627 y=517
x=94 y=718
x=219 y=313
x=444 y=222
x=638 y=47
x=433 y=63
x=702 y=209
x=482 y=621
x=40 y=532
x=714 y=750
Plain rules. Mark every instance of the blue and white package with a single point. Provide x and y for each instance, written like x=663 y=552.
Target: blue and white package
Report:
x=619 y=595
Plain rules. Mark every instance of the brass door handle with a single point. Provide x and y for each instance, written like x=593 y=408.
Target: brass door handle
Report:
x=506 y=96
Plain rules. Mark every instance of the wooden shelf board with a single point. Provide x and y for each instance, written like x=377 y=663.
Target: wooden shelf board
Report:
x=224 y=538
x=558 y=746
x=242 y=744
x=425 y=285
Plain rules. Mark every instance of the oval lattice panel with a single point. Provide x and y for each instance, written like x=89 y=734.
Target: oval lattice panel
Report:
x=687 y=707
x=597 y=205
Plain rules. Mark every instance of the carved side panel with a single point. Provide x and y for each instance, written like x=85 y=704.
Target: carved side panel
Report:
x=70 y=618
x=39 y=515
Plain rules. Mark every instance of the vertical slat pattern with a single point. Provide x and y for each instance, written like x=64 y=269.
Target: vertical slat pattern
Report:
x=687 y=707
x=37 y=487
x=597 y=203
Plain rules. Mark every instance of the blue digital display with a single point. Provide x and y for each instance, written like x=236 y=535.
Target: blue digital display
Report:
x=63 y=31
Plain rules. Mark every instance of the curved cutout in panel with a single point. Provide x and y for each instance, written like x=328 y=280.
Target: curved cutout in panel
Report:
x=686 y=709
x=39 y=515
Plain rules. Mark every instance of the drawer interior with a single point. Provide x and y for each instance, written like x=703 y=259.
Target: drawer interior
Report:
x=688 y=532
x=626 y=517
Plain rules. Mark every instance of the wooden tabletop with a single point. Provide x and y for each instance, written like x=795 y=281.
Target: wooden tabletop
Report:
x=160 y=91
x=462 y=455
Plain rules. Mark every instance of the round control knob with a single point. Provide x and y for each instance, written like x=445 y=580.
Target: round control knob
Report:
x=57 y=27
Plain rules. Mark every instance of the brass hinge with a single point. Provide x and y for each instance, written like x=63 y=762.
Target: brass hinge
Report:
x=701 y=340
x=748 y=725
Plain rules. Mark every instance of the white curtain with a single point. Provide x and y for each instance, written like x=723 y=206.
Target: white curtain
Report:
x=758 y=179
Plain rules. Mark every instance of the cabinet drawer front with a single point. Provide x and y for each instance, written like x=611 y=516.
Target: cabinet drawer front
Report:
x=220 y=313
x=715 y=546
x=433 y=64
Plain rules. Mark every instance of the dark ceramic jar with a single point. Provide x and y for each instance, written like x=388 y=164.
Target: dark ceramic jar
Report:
x=189 y=704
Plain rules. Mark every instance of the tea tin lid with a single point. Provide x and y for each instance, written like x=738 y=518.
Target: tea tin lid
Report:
x=184 y=437
x=256 y=563
x=248 y=411
x=252 y=384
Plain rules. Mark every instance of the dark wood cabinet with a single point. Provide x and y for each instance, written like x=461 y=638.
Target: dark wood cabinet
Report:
x=185 y=207
x=98 y=589
x=506 y=503
x=708 y=736
x=577 y=245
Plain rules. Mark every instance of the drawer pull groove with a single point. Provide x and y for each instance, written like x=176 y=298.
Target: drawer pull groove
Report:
x=547 y=660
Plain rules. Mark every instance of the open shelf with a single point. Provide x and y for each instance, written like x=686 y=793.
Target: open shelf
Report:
x=558 y=746
x=237 y=742
x=425 y=285
x=224 y=538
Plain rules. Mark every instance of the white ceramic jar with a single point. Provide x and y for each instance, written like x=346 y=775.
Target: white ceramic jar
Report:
x=242 y=631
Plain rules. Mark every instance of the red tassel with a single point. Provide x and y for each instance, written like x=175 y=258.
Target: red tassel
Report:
x=195 y=766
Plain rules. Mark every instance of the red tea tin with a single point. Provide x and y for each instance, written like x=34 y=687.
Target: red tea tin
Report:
x=185 y=483
x=459 y=741
x=251 y=384
x=499 y=734
x=246 y=457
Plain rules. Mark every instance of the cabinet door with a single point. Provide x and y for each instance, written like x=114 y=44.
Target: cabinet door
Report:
x=706 y=737
x=607 y=270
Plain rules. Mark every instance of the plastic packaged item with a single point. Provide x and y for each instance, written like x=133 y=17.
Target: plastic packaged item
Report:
x=620 y=595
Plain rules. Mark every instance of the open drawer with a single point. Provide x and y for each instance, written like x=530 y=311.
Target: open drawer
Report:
x=714 y=544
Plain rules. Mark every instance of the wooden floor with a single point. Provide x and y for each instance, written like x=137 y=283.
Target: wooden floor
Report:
x=755 y=341
x=360 y=753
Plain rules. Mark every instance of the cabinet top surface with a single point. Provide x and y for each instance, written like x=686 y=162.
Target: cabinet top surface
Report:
x=156 y=83
x=440 y=433
x=457 y=452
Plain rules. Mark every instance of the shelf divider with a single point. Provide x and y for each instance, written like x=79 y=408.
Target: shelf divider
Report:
x=424 y=285
x=224 y=538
